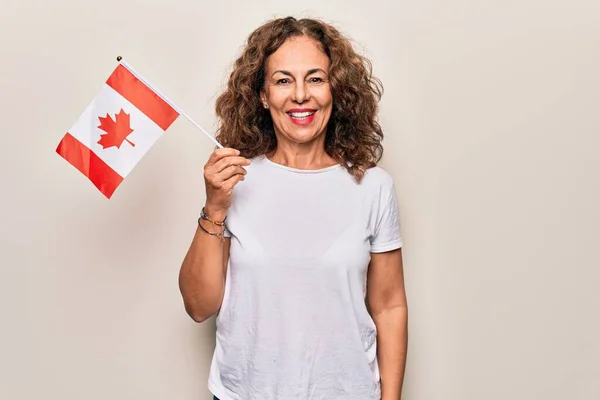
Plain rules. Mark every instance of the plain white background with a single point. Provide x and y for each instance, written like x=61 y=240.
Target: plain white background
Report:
x=492 y=122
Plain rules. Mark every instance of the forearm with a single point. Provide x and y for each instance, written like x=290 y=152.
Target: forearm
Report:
x=392 y=341
x=202 y=275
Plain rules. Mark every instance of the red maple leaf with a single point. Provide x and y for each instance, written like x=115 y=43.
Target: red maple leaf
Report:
x=116 y=130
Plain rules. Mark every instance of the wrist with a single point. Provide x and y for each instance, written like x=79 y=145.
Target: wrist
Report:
x=215 y=213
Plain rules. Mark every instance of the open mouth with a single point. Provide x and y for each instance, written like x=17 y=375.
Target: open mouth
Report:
x=302 y=117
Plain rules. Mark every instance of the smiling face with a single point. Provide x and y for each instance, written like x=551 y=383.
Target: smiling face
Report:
x=297 y=91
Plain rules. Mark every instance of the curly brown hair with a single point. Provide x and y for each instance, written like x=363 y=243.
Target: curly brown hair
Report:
x=353 y=136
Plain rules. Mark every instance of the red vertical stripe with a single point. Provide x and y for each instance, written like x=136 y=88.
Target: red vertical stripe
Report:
x=89 y=164
x=141 y=96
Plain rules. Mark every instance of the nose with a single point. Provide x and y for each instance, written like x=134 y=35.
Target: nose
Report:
x=301 y=93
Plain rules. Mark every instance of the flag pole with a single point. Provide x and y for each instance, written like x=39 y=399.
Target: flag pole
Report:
x=180 y=111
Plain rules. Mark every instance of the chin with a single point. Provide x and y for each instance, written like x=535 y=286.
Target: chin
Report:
x=303 y=134
x=303 y=138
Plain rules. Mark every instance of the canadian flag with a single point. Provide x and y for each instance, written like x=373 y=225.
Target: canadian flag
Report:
x=117 y=129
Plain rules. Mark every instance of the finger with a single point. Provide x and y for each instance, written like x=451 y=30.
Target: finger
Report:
x=231 y=182
x=220 y=153
x=228 y=161
x=229 y=172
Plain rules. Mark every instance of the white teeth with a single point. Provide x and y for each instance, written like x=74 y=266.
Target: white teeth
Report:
x=302 y=114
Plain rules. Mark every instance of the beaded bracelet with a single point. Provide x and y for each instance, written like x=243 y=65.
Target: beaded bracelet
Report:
x=205 y=217
x=219 y=235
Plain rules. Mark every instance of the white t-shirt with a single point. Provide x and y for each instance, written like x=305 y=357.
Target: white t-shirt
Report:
x=293 y=324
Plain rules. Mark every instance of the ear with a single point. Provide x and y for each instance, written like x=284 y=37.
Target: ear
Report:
x=263 y=99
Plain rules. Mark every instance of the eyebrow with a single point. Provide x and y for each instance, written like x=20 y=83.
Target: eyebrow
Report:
x=310 y=72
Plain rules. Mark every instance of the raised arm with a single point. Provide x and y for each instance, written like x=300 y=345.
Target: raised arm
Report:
x=203 y=271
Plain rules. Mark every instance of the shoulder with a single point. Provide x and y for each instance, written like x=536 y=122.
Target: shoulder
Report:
x=378 y=177
x=256 y=160
x=256 y=163
x=378 y=186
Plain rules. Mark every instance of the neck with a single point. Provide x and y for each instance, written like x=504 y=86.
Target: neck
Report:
x=302 y=156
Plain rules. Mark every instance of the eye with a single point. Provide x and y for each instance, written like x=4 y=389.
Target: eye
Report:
x=282 y=81
x=315 y=80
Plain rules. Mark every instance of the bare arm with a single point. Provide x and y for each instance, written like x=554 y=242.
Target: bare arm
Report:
x=202 y=273
x=387 y=303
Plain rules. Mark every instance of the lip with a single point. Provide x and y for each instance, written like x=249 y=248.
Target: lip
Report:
x=297 y=110
x=302 y=121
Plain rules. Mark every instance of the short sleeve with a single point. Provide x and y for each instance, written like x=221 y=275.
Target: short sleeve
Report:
x=386 y=221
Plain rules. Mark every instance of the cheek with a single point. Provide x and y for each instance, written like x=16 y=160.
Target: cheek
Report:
x=277 y=99
x=325 y=98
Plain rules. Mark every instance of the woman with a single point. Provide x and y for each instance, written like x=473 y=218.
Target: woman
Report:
x=297 y=248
